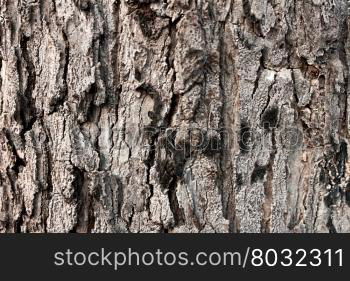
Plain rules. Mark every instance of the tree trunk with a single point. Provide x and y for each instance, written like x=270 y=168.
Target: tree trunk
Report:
x=174 y=116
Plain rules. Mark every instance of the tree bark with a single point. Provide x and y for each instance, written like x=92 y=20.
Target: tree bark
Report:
x=174 y=116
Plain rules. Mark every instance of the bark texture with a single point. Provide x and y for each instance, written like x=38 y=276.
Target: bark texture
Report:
x=174 y=116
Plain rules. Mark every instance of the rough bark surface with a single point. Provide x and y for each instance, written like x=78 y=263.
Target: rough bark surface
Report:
x=174 y=116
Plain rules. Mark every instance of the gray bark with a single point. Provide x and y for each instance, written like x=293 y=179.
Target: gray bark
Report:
x=174 y=116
